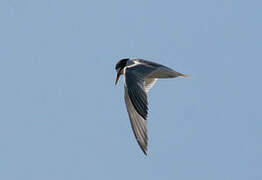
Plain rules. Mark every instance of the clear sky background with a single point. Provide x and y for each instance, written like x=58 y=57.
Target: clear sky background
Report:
x=62 y=117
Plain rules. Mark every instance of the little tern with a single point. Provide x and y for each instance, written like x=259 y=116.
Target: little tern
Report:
x=140 y=75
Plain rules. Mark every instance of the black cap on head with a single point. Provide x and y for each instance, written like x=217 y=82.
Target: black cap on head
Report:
x=122 y=63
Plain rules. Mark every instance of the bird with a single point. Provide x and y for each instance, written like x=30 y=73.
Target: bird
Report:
x=139 y=77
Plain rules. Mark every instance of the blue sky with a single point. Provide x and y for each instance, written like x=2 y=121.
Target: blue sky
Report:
x=62 y=117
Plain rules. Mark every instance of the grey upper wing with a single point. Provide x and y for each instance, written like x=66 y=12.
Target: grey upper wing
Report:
x=137 y=105
x=138 y=123
x=155 y=70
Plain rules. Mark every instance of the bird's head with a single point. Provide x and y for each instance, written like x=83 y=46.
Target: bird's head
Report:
x=120 y=67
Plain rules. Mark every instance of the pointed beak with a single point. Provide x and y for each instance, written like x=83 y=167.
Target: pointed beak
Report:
x=117 y=77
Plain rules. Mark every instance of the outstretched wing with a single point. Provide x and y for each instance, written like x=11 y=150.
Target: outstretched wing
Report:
x=137 y=104
x=138 y=123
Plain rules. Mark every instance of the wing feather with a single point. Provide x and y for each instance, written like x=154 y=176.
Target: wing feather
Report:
x=135 y=87
x=138 y=123
x=137 y=105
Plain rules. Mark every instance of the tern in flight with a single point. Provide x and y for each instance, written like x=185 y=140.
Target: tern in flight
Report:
x=140 y=75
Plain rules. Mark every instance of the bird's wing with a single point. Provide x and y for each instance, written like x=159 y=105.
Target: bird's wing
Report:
x=156 y=70
x=138 y=123
x=136 y=103
x=134 y=82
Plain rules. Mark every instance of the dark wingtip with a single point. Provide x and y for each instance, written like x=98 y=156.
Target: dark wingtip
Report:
x=144 y=149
